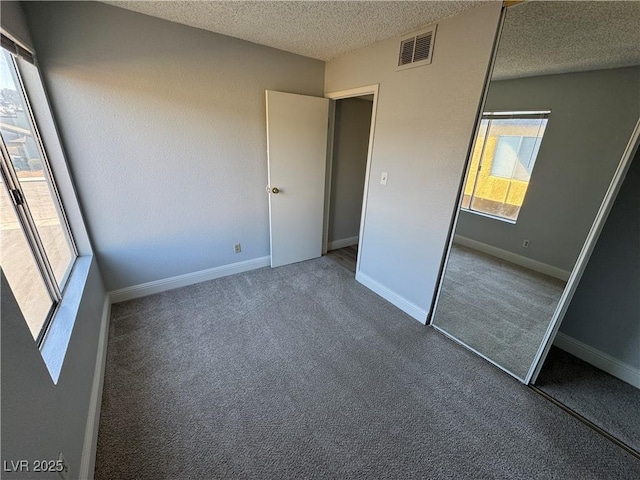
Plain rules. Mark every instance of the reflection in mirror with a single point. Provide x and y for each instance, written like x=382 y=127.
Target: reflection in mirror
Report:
x=560 y=109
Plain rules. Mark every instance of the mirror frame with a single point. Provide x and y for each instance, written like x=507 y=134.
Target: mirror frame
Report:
x=585 y=252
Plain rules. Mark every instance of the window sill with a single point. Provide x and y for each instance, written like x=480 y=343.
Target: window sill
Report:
x=54 y=346
x=493 y=217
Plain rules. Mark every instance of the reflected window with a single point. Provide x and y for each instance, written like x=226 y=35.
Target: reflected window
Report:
x=503 y=159
x=37 y=251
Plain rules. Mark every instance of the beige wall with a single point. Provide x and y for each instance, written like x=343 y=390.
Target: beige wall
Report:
x=424 y=124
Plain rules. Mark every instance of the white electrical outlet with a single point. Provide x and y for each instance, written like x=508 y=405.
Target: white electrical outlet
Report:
x=525 y=244
x=64 y=470
x=383 y=178
x=237 y=248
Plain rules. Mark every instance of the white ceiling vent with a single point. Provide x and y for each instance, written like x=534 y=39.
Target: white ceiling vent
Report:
x=417 y=49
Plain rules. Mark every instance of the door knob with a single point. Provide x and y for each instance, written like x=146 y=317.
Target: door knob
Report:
x=273 y=190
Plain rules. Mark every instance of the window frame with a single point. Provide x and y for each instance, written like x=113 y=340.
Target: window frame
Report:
x=20 y=204
x=498 y=115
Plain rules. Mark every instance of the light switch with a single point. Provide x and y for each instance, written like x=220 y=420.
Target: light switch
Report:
x=383 y=178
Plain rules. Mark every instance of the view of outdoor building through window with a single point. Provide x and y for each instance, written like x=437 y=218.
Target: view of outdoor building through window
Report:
x=20 y=268
x=503 y=158
x=36 y=249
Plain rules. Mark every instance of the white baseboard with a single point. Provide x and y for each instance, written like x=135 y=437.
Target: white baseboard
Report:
x=601 y=360
x=88 y=462
x=342 y=243
x=402 y=303
x=149 y=288
x=513 y=258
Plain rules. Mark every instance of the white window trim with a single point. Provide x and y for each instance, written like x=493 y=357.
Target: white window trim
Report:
x=493 y=217
x=56 y=341
x=495 y=115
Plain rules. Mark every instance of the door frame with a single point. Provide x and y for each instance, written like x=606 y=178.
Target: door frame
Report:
x=333 y=97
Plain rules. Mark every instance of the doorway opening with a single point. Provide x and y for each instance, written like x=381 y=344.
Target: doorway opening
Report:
x=350 y=137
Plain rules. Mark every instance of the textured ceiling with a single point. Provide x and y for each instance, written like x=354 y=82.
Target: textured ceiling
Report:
x=539 y=37
x=322 y=30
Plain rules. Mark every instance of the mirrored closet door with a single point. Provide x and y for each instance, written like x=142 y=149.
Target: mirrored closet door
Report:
x=552 y=144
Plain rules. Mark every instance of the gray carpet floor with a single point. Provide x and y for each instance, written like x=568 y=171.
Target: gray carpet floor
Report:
x=301 y=372
x=608 y=402
x=500 y=309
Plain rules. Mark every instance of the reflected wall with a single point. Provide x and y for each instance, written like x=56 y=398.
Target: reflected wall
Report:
x=507 y=268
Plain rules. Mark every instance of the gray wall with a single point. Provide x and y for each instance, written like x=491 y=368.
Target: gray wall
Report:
x=40 y=419
x=592 y=117
x=424 y=124
x=605 y=310
x=13 y=21
x=351 y=142
x=165 y=130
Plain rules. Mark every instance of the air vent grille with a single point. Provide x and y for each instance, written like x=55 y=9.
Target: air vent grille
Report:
x=417 y=49
x=422 y=50
x=406 y=51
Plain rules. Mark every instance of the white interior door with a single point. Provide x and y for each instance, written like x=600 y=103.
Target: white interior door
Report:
x=297 y=155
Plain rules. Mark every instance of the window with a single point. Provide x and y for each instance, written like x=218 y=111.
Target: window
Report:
x=37 y=252
x=503 y=158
